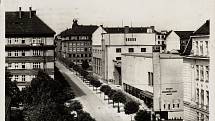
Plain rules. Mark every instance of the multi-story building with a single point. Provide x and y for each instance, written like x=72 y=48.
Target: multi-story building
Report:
x=29 y=46
x=118 y=40
x=161 y=39
x=196 y=76
x=155 y=78
x=76 y=43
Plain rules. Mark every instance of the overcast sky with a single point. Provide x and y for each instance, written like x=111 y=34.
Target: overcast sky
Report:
x=163 y=14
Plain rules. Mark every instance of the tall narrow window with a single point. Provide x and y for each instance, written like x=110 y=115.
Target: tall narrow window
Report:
x=197 y=96
x=16 y=78
x=197 y=48
x=9 y=41
x=197 y=72
x=201 y=48
x=202 y=73
x=9 y=65
x=16 y=53
x=23 y=65
x=23 y=52
x=16 y=41
x=23 y=41
x=207 y=74
x=16 y=65
x=9 y=53
x=207 y=96
x=36 y=52
x=36 y=65
x=202 y=97
x=23 y=78
x=206 y=46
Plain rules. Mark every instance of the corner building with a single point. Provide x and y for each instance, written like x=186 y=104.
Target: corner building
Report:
x=29 y=46
x=196 y=76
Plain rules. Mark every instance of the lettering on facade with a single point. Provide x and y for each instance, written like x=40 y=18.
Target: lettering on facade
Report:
x=169 y=91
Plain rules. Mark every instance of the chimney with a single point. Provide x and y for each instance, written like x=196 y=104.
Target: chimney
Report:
x=20 y=12
x=126 y=29
x=30 y=12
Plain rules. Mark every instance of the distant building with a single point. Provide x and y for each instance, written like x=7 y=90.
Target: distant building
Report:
x=155 y=78
x=176 y=42
x=196 y=76
x=29 y=46
x=75 y=44
x=161 y=39
x=118 y=40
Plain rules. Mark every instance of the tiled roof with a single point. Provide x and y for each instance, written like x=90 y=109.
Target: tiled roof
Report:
x=122 y=29
x=79 y=30
x=204 y=29
x=25 y=26
x=184 y=34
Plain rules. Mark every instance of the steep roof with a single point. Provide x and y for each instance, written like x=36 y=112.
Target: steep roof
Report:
x=204 y=29
x=184 y=34
x=79 y=30
x=122 y=29
x=26 y=26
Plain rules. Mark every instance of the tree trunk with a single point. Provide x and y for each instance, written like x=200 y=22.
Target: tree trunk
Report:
x=118 y=108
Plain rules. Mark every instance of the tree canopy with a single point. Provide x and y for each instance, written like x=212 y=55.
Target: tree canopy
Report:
x=142 y=115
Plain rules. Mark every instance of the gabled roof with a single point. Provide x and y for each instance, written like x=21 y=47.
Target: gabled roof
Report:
x=204 y=29
x=184 y=34
x=79 y=30
x=26 y=26
x=122 y=29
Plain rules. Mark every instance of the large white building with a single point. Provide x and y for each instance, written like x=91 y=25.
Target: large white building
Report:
x=196 y=76
x=118 y=40
x=29 y=46
x=155 y=78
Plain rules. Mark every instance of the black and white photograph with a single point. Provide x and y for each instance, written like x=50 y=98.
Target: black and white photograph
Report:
x=107 y=60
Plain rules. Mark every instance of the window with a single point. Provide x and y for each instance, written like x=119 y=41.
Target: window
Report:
x=82 y=55
x=118 y=50
x=178 y=105
x=9 y=53
x=207 y=97
x=36 y=53
x=197 y=48
x=9 y=65
x=201 y=48
x=201 y=72
x=16 y=40
x=143 y=49
x=16 y=53
x=202 y=117
x=206 y=74
x=130 y=49
x=23 y=78
x=16 y=65
x=73 y=37
x=158 y=42
x=118 y=58
x=85 y=49
x=197 y=72
x=164 y=106
x=173 y=106
x=16 y=78
x=202 y=97
x=158 y=36
x=23 y=52
x=23 y=41
x=74 y=55
x=206 y=46
x=197 y=96
x=23 y=65
x=9 y=41
x=169 y=106
x=36 y=65
x=70 y=55
x=150 y=78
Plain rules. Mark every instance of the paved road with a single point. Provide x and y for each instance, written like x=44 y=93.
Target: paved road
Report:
x=91 y=103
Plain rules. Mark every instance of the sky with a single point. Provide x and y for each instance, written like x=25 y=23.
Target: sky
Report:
x=163 y=14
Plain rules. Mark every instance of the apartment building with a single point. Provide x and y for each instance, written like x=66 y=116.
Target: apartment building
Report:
x=76 y=43
x=118 y=40
x=29 y=46
x=156 y=78
x=196 y=76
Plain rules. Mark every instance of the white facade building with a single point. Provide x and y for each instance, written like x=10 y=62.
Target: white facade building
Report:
x=196 y=77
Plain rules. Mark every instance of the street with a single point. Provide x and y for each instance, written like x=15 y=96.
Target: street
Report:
x=99 y=110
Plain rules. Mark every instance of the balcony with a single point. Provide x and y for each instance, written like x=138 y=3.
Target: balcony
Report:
x=28 y=47
x=117 y=63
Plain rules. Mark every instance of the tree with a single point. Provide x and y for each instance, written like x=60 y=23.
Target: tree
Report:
x=85 y=65
x=111 y=94
x=106 y=89
x=119 y=97
x=75 y=106
x=84 y=116
x=131 y=107
x=142 y=115
x=12 y=90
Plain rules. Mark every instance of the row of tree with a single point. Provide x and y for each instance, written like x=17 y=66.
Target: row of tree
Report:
x=117 y=96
